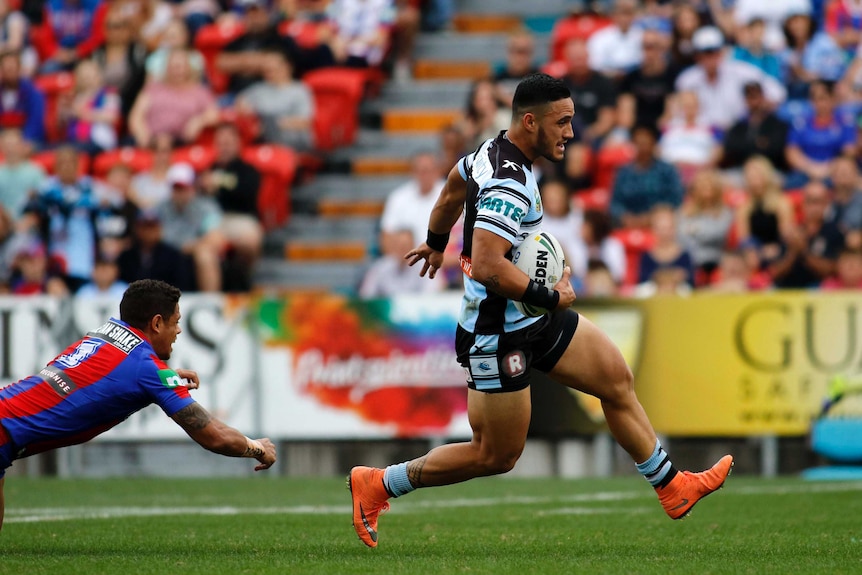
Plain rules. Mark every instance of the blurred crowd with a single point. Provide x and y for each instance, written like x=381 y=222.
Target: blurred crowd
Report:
x=83 y=80
x=716 y=147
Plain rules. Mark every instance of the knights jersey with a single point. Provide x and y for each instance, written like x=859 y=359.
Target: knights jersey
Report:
x=92 y=386
x=502 y=198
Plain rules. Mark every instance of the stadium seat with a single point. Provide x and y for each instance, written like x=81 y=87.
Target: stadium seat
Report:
x=608 y=161
x=796 y=198
x=277 y=166
x=210 y=41
x=598 y=199
x=337 y=94
x=581 y=27
x=200 y=157
x=305 y=33
x=54 y=86
x=47 y=158
x=136 y=159
x=247 y=124
x=635 y=242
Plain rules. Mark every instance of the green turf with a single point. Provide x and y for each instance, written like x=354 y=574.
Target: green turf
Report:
x=490 y=526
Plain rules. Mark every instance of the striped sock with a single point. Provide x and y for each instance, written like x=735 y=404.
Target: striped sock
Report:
x=658 y=469
x=396 y=481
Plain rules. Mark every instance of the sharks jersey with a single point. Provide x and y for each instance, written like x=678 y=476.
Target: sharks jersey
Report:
x=502 y=198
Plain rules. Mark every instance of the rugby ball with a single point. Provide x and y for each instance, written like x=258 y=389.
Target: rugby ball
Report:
x=540 y=256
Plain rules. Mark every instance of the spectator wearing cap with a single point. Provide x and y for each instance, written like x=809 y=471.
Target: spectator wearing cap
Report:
x=759 y=132
x=149 y=257
x=616 y=49
x=817 y=139
x=718 y=80
x=191 y=223
x=242 y=58
x=22 y=106
x=20 y=178
x=179 y=105
x=644 y=183
x=284 y=105
x=235 y=184
x=646 y=91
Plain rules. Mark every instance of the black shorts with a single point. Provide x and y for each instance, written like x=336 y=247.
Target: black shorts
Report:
x=501 y=362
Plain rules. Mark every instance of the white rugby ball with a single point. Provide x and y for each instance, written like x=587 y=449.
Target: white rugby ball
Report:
x=540 y=256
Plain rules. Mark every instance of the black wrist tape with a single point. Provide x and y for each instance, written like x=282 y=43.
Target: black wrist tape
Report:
x=540 y=296
x=437 y=242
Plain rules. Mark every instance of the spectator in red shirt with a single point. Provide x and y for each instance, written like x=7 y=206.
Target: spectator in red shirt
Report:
x=848 y=271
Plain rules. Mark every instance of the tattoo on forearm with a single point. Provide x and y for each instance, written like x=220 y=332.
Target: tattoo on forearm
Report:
x=253 y=451
x=492 y=282
x=193 y=417
x=414 y=471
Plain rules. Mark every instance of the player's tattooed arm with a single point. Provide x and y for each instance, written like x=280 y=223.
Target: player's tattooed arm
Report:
x=193 y=417
x=492 y=282
x=414 y=471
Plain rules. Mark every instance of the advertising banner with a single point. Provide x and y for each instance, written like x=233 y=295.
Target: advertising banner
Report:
x=345 y=368
x=746 y=364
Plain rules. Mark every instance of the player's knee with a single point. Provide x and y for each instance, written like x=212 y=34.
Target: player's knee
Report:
x=621 y=383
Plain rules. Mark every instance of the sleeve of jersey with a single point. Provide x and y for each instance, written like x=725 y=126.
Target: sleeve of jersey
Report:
x=464 y=165
x=164 y=386
x=502 y=207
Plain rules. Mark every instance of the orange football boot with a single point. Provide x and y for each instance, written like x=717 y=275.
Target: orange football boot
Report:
x=369 y=500
x=687 y=488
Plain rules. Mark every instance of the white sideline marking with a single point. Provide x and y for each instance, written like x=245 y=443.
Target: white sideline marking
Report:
x=39 y=514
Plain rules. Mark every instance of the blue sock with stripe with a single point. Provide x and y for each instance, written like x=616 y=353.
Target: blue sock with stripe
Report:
x=396 y=481
x=658 y=469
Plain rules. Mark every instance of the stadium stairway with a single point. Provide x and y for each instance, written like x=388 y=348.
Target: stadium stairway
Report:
x=332 y=234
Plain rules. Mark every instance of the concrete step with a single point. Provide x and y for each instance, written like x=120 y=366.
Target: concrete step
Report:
x=325 y=251
x=429 y=120
x=429 y=69
x=338 y=276
x=456 y=47
x=484 y=23
x=423 y=94
x=337 y=187
x=311 y=229
x=513 y=7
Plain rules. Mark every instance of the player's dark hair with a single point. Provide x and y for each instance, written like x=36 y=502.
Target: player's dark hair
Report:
x=538 y=90
x=145 y=299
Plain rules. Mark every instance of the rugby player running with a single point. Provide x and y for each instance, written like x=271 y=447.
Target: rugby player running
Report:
x=114 y=371
x=497 y=345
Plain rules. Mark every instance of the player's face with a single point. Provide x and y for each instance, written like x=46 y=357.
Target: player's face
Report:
x=555 y=129
x=163 y=342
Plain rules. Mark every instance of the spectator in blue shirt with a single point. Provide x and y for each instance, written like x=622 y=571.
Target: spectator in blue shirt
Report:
x=69 y=213
x=22 y=105
x=644 y=183
x=751 y=49
x=817 y=139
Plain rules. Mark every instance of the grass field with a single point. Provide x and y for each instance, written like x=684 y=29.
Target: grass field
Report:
x=490 y=526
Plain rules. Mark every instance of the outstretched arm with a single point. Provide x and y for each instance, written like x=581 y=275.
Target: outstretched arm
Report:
x=218 y=437
x=446 y=212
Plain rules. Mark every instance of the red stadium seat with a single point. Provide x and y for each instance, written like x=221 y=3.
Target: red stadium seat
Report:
x=47 y=158
x=580 y=27
x=305 y=33
x=247 y=124
x=199 y=157
x=54 y=86
x=337 y=94
x=598 y=199
x=608 y=161
x=210 y=41
x=635 y=241
x=136 y=159
x=277 y=166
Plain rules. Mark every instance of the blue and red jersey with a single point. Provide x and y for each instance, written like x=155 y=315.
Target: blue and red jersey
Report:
x=92 y=386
